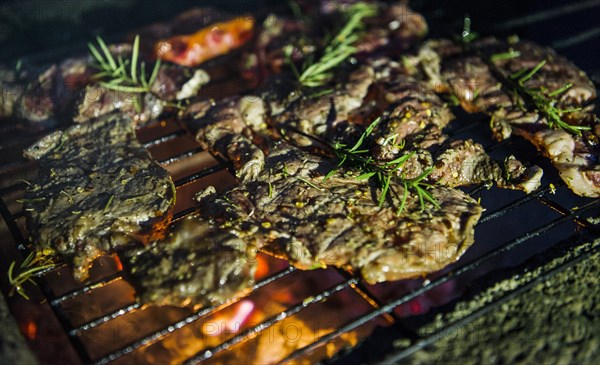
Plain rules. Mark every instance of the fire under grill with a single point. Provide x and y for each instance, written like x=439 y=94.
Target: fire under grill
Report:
x=289 y=315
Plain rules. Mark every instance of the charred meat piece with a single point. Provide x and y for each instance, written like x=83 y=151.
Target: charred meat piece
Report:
x=226 y=130
x=38 y=100
x=414 y=120
x=291 y=212
x=465 y=162
x=96 y=101
x=318 y=115
x=196 y=264
x=414 y=117
x=11 y=90
x=482 y=87
x=177 y=83
x=97 y=189
x=396 y=29
x=286 y=208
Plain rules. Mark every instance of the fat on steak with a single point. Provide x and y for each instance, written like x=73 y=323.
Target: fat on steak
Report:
x=97 y=189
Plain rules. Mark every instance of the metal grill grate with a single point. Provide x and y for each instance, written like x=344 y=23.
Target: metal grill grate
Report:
x=571 y=212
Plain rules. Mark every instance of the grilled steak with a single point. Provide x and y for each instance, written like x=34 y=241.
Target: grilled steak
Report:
x=96 y=190
x=291 y=212
x=317 y=116
x=285 y=207
x=197 y=263
x=38 y=100
x=482 y=87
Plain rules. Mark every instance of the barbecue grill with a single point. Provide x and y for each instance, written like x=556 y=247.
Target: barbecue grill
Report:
x=321 y=315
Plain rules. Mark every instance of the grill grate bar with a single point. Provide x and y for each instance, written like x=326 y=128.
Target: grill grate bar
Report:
x=435 y=283
x=12 y=188
x=180 y=156
x=252 y=332
x=517 y=203
x=547 y=14
x=18 y=215
x=576 y=38
x=179 y=215
x=558 y=208
x=395 y=358
x=88 y=288
x=11 y=223
x=151 y=338
x=199 y=175
x=165 y=138
x=98 y=321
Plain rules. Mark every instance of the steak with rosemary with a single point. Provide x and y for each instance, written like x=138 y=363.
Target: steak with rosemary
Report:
x=97 y=189
x=286 y=207
x=289 y=210
x=529 y=91
x=197 y=263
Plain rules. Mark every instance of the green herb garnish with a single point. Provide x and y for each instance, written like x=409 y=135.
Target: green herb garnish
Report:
x=108 y=203
x=546 y=104
x=340 y=48
x=467 y=36
x=33 y=264
x=122 y=75
x=505 y=55
x=358 y=157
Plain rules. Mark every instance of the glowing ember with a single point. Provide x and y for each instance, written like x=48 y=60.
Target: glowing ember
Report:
x=230 y=322
x=29 y=329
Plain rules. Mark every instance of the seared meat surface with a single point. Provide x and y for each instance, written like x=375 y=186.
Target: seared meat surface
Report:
x=481 y=87
x=96 y=101
x=290 y=211
x=197 y=263
x=97 y=189
x=284 y=205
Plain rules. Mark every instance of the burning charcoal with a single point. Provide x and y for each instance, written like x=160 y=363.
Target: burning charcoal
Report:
x=97 y=189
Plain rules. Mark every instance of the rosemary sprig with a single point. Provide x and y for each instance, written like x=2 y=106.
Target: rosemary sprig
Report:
x=122 y=75
x=33 y=264
x=546 y=104
x=340 y=48
x=358 y=157
x=467 y=36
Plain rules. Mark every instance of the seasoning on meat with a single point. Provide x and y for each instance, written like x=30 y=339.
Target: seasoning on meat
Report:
x=285 y=206
x=291 y=212
x=571 y=141
x=97 y=189
x=196 y=264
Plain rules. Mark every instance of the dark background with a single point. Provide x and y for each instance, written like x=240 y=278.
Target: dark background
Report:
x=40 y=30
